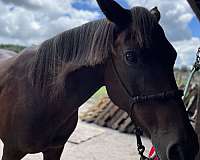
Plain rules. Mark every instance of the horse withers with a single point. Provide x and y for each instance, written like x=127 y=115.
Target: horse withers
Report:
x=42 y=88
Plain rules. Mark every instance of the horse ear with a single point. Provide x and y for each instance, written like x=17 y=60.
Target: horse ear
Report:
x=115 y=13
x=156 y=13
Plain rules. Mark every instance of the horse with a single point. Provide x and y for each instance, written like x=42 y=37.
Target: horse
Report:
x=5 y=54
x=42 y=88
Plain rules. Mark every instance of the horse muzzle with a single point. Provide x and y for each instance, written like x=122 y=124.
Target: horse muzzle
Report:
x=183 y=151
x=176 y=152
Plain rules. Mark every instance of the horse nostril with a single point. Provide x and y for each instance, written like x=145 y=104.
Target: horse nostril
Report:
x=175 y=152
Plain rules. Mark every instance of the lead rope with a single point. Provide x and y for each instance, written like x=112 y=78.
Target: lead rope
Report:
x=140 y=146
x=138 y=131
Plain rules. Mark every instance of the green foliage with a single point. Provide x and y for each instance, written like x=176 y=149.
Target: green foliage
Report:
x=11 y=47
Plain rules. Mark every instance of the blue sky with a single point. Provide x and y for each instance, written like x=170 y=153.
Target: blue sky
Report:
x=195 y=27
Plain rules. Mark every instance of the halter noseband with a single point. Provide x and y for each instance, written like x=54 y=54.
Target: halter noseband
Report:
x=162 y=96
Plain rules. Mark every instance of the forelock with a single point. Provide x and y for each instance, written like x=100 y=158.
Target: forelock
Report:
x=142 y=26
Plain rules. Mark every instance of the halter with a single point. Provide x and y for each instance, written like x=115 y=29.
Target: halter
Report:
x=162 y=96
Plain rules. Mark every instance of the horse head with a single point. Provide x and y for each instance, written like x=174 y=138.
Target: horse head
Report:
x=141 y=80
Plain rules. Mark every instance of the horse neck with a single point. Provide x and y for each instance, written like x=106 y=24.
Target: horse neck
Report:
x=81 y=84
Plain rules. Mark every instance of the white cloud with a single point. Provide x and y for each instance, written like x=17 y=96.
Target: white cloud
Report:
x=176 y=16
x=32 y=21
x=186 y=51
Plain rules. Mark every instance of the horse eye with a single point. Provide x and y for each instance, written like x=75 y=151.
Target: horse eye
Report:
x=131 y=57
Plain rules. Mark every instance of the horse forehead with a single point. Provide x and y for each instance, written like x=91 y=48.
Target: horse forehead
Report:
x=136 y=38
x=142 y=18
